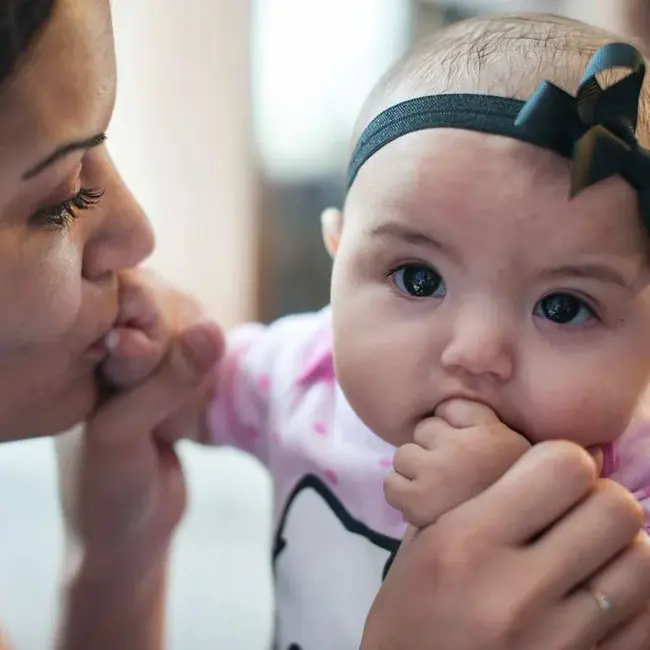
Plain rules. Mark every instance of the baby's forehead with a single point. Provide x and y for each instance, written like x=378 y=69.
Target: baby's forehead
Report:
x=474 y=188
x=460 y=137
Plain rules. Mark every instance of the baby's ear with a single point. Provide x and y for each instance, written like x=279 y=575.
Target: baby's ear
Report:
x=331 y=226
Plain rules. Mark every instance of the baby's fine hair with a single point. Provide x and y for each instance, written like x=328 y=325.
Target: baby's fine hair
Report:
x=501 y=54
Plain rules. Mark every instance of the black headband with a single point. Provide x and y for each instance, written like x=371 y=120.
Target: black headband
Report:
x=596 y=128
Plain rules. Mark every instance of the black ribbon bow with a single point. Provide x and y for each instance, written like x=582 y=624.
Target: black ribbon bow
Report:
x=597 y=127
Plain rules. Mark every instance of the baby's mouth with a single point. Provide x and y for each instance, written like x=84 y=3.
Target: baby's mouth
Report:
x=498 y=412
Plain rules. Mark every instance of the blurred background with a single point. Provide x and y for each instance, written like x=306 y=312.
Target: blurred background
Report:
x=232 y=128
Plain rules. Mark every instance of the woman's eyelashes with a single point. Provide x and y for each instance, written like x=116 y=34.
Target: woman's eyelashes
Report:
x=418 y=281
x=60 y=215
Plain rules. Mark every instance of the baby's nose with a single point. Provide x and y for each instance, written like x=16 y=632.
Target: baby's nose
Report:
x=480 y=347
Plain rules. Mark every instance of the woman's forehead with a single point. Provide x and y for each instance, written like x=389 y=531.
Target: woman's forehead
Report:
x=65 y=89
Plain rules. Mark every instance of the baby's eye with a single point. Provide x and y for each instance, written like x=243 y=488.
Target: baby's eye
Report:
x=419 y=281
x=564 y=309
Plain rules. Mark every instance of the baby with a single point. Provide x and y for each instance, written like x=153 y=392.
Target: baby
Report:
x=501 y=259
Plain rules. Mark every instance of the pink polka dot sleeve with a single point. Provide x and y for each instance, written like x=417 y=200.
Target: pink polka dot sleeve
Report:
x=256 y=377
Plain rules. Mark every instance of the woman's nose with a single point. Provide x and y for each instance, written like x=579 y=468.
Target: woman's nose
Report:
x=123 y=237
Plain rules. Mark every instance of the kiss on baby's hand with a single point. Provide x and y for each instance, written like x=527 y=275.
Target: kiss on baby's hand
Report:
x=152 y=315
x=454 y=456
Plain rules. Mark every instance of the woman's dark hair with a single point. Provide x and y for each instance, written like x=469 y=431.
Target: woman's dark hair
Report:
x=20 y=23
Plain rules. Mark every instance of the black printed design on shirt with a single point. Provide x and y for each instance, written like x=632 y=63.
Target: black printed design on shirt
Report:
x=328 y=568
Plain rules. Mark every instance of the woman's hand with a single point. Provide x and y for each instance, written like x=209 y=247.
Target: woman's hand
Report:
x=153 y=313
x=121 y=485
x=122 y=494
x=118 y=482
x=541 y=555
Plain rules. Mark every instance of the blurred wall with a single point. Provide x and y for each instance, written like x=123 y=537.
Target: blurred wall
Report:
x=313 y=64
x=604 y=13
x=182 y=138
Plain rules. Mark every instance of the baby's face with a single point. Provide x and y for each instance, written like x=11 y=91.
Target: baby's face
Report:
x=464 y=270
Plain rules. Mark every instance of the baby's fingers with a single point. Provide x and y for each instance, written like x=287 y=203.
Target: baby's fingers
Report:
x=133 y=356
x=463 y=413
x=130 y=416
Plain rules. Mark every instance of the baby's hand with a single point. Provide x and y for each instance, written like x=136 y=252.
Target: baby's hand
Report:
x=454 y=457
x=153 y=314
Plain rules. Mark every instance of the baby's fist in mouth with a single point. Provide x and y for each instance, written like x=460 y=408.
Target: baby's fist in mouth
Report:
x=454 y=456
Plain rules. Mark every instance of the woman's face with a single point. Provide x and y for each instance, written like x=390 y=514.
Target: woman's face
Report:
x=68 y=224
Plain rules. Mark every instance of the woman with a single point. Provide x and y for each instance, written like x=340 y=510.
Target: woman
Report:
x=69 y=229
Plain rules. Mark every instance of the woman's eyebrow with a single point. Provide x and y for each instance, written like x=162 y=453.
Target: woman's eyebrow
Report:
x=62 y=152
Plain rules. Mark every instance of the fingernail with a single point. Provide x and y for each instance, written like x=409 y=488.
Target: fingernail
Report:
x=112 y=340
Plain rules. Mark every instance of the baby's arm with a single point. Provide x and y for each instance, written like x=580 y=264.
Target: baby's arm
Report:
x=257 y=380
x=231 y=407
x=237 y=414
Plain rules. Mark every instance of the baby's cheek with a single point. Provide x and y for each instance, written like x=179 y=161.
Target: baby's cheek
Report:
x=586 y=415
x=371 y=382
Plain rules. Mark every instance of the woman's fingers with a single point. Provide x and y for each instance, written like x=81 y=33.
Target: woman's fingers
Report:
x=621 y=591
x=190 y=421
x=608 y=607
x=633 y=635
x=133 y=356
x=189 y=359
x=589 y=536
x=626 y=582
x=542 y=486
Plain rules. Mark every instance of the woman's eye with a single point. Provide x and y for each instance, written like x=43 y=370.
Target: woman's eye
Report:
x=62 y=214
x=564 y=309
x=419 y=281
